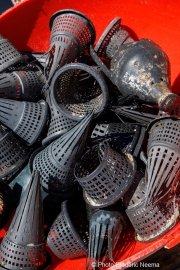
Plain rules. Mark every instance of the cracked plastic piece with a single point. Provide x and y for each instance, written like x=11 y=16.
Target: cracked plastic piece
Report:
x=13 y=154
x=142 y=69
x=78 y=89
x=104 y=231
x=68 y=236
x=163 y=150
x=26 y=119
x=105 y=175
x=56 y=162
x=9 y=55
x=154 y=220
x=71 y=33
x=114 y=33
x=23 y=246
x=121 y=136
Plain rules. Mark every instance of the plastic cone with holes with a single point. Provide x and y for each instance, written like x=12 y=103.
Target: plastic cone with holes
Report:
x=23 y=246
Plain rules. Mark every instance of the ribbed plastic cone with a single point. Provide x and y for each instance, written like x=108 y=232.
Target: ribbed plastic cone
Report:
x=23 y=246
x=60 y=158
x=113 y=31
x=21 y=85
x=78 y=89
x=143 y=114
x=163 y=152
x=59 y=123
x=13 y=153
x=26 y=119
x=71 y=33
x=141 y=69
x=154 y=220
x=104 y=231
x=11 y=58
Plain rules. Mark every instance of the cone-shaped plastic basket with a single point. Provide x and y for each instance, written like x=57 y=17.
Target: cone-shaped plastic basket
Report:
x=9 y=54
x=68 y=236
x=6 y=203
x=104 y=231
x=113 y=32
x=105 y=175
x=163 y=152
x=71 y=33
x=59 y=123
x=56 y=162
x=154 y=220
x=23 y=246
x=78 y=89
x=120 y=136
x=142 y=69
x=21 y=85
x=26 y=119
x=13 y=153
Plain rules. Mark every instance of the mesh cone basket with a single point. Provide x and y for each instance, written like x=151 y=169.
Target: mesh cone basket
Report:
x=71 y=33
x=56 y=162
x=121 y=136
x=21 y=85
x=114 y=33
x=59 y=123
x=23 y=246
x=142 y=114
x=67 y=237
x=154 y=220
x=104 y=231
x=141 y=69
x=9 y=55
x=105 y=175
x=6 y=203
x=163 y=152
x=78 y=89
x=26 y=119
x=13 y=154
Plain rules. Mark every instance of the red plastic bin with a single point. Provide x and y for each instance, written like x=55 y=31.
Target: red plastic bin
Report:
x=27 y=27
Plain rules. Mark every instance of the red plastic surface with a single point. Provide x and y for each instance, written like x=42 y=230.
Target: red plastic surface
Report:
x=27 y=27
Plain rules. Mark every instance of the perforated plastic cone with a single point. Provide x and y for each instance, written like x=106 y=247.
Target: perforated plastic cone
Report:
x=141 y=69
x=105 y=175
x=143 y=113
x=78 y=89
x=26 y=119
x=104 y=231
x=11 y=58
x=71 y=33
x=23 y=246
x=13 y=153
x=163 y=152
x=59 y=123
x=67 y=237
x=21 y=85
x=113 y=34
x=154 y=220
x=60 y=158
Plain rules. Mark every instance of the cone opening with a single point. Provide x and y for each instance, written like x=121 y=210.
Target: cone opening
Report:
x=78 y=90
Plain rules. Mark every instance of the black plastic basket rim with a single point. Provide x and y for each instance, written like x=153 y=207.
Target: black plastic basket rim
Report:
x=89 y=70
x=76 y=12
x=71 y=225
x=67 y=192
x=106 y=31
